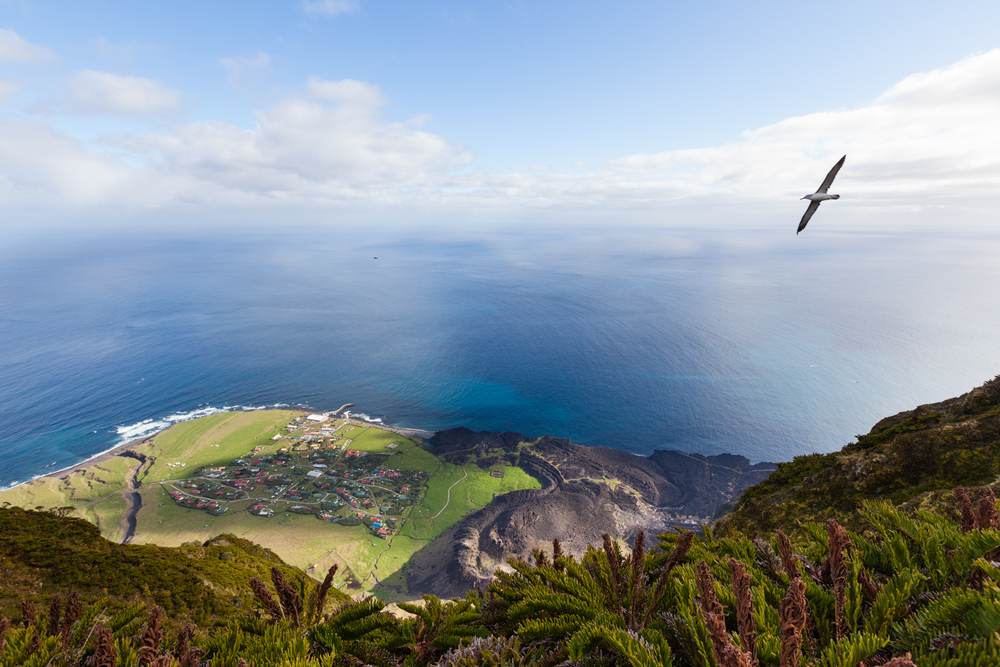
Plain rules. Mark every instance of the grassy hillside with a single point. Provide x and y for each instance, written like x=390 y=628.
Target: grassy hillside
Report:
x=913 y=459
x=43 y=554
x=911 y=591
x=95 y=493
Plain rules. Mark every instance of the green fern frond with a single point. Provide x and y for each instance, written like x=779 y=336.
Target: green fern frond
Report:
x=327 y=637
x=556 y=604
x=550 y=628
x=88 y=619
x=354 y=611
x=18 y=650
x=369 y=654
x=636 y=650
x=816 y=532
x=128 y=620
x=983 y=653
x=127 y=654
x=765 y=614
x=768 y=649
x=821 y=609
x=961 y=612
x=850 y=650
x=891 y=605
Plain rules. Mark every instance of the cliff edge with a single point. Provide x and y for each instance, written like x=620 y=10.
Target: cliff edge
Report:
x=913 y=459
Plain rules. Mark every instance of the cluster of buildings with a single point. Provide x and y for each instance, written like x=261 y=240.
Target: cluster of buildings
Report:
x=312 y=475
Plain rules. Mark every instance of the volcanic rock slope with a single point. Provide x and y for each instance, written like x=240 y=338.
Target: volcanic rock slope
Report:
x=586 y=492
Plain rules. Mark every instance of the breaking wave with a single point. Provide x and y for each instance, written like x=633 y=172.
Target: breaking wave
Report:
x=148 y=427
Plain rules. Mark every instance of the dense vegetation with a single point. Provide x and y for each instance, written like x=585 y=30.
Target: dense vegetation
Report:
x=43 y=553
x=911 y=589
x=915 y=457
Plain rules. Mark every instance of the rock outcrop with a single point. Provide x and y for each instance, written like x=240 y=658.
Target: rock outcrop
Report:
x=586 y=492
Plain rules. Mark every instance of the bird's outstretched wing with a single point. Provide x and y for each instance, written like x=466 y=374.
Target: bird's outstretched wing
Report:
x=813 y=205
x=828 y=181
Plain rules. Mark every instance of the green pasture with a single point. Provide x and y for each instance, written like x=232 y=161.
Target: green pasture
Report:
x=371 y=439
x=107 y=515
x=299 y=540
x=415 y=458
x=391 y=567
x=472 y=494
x=211 y=441
x=79 y=488
x=407 y=456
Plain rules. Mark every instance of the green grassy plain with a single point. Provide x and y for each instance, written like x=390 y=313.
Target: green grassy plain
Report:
x=210 y=441
x=469 y=495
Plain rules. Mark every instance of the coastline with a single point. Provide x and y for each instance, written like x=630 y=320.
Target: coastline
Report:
x=93 y=460
x=118 y=450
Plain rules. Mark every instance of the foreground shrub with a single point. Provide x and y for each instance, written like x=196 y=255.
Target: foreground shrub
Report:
x=908 y=590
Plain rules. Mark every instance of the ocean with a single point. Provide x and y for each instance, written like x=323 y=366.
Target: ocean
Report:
x=747 y=341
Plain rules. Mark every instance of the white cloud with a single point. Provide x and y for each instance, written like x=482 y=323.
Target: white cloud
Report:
x=329 y=7
x=93 y=92
x=8 y=88
x=332 y=144
x=931 y=136
x=356 y=94
x=36 y=163
x=928 y=143
x=246 y=73
x=15 y=49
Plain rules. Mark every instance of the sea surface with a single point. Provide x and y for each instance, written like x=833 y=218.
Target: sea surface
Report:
x=754 y=342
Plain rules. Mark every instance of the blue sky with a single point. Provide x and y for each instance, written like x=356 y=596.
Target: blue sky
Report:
x=509 y=106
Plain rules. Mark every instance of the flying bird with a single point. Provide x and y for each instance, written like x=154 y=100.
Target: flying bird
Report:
x=820 y=195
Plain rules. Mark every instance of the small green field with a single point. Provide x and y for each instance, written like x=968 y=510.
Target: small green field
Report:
x=475 y=492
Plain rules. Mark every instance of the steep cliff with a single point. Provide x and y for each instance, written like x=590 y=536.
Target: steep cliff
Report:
x=912 y=459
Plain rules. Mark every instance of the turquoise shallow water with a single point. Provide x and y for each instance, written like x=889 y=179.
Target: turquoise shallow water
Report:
x=636 y=339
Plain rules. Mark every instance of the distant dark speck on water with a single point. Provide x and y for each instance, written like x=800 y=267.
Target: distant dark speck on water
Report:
x=376 y=258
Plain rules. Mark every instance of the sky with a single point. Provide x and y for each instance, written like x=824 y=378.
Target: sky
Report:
x=643 y=111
